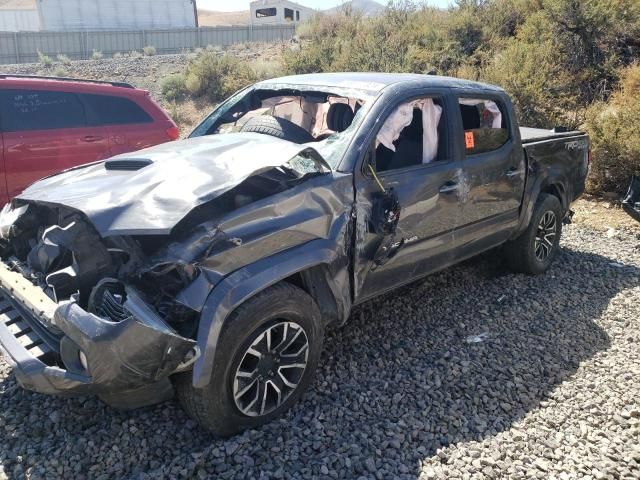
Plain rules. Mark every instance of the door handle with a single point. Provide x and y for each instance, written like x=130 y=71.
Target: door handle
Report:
x=449 y=187
x=514 y=172
x=91 y=139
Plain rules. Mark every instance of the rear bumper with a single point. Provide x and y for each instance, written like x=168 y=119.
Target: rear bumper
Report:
x=128 y=362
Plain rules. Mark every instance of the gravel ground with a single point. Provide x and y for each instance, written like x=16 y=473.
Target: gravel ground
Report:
x=550 y=390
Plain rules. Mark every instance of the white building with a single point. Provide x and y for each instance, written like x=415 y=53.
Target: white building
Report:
x=19 y=20
x=279 y=12
x=117 y=14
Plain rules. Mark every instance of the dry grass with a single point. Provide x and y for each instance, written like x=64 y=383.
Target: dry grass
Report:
x=209 y=18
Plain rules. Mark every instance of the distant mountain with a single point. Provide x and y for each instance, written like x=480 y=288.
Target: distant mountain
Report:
x=369 y=7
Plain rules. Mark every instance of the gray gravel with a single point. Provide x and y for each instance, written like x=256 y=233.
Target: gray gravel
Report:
x=550 y=389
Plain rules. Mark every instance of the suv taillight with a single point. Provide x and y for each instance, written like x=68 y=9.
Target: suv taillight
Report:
x=173 y=133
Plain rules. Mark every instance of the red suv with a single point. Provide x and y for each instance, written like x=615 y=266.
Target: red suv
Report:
x=51 y=124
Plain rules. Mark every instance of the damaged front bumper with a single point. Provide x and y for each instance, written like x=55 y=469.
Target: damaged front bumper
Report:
x=63 y=349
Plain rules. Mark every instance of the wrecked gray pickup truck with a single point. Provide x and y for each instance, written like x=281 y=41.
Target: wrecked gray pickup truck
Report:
x=213 y=266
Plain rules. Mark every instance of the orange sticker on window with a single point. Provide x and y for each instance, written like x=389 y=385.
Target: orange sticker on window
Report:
x=469 y=141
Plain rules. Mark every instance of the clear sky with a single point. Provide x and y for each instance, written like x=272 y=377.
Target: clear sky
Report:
x=236 y=5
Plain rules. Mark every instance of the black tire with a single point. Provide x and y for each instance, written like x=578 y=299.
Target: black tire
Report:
x=214 y=406
x=277 y=127
x=523 y=253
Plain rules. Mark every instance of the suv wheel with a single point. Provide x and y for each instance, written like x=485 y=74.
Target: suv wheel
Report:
x=535 y=249
x=266 y=357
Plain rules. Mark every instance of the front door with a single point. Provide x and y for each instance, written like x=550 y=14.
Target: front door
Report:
x=421 y=187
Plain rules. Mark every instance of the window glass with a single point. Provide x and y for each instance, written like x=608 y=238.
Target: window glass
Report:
x=411 y=135
x=266 y=12
x=485 y=127
x=288 y=14
x=24 y=110
x=297 y=15
x=108 y=110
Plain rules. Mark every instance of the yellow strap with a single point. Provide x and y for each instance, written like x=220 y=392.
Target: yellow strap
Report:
x=373 y=172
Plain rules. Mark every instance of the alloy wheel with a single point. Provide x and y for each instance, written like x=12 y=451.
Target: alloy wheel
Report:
x=546 y=235
x=271 y=369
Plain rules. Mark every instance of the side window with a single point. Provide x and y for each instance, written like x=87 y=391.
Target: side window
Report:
x=485 y=125
x=288 y=15
x=266 y=12
x=109 y=110
x=28 y=110
x=297 y=15
x=413 y=134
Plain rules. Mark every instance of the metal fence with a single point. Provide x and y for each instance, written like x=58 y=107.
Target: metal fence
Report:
x=23 y=47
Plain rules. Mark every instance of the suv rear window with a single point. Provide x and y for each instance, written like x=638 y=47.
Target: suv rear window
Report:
x=25 y=110
x=110 y=110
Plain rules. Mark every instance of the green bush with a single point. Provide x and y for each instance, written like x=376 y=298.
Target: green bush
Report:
x=615 y=142
x=96 y=55
x=149 y=51
x=216 y=77
x=174 y=87
x=44 y=59
x=60 y=72
x=64 y=59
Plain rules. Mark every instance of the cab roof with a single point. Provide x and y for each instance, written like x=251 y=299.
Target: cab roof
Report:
x=375 y=82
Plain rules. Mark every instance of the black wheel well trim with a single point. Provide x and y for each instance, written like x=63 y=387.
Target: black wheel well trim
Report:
x=244 y=284
x=551 y=185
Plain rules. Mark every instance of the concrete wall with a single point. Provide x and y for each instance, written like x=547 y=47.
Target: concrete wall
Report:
x=19 y=20
x=23 y=47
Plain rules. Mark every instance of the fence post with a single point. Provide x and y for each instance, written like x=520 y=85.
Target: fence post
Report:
x=16 y=45
x=144 y=38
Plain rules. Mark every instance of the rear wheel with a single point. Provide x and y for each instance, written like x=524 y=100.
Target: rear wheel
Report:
x=266 y=357
x=536 y=248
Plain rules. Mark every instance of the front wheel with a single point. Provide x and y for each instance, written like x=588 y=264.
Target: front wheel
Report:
x=266 y=357
x=536 y=248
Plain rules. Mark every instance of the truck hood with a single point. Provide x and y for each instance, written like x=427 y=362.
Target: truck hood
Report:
x=149 y=191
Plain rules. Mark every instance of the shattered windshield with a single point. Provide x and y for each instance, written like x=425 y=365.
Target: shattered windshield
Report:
x=324 y=119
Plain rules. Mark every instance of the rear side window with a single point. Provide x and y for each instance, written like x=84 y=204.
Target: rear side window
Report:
x=27 y=110
x=110 y=110
x=485 y=125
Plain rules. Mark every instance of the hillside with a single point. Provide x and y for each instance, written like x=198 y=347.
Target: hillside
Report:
x=209 y=18
x=17 y=4
x=370 y=8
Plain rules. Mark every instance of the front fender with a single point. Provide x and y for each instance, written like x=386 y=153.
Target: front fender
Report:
x=244 y=284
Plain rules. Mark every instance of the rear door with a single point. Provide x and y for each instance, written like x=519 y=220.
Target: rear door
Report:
x=45 y=132
x=130 y=127
x=494 y=171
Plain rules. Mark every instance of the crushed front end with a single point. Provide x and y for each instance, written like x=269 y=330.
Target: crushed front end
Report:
x=79 y=315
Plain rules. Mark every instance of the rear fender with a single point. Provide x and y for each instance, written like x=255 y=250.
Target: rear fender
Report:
x=549 y=180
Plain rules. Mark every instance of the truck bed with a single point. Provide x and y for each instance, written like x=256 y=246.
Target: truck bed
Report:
x=531 y=135
x=566 y=154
